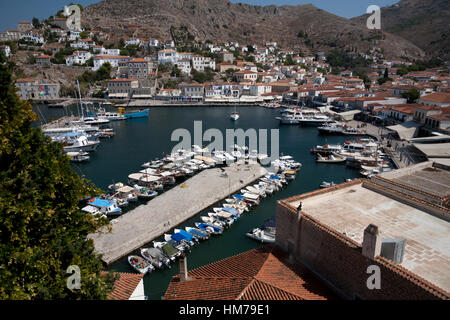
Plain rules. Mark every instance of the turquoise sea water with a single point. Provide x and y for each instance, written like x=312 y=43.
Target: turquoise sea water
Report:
x=140 y=140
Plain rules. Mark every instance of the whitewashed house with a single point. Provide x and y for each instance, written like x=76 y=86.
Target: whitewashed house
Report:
x=168 y=56
x=84 y=44
x=78 y=57
x=153 y=42
x=184 y=65
x=133 y=42
x=114 y=61
x=31 y=37
x=74 y=35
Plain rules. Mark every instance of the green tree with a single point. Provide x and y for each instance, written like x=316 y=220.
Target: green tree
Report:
x=411 y=95
x=36 y=23
x=42 y=230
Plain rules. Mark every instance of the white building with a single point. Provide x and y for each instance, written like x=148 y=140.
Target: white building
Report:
x=112 y=60
x=78 y=57
x=199 y=63
x=184 y=65
x=168 y=56
x=37 y=39
x=74 y=35
x=133 y=42
x=153 y=42
x=84 y=44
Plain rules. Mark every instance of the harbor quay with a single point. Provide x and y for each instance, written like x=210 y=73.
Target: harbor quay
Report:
x=147 y=222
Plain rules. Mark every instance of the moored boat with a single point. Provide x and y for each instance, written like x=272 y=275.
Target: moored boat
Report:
x=140 y=264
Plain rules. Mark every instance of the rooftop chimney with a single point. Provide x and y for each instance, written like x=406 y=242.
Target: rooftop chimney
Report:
x=183 y=269
x=371 y=246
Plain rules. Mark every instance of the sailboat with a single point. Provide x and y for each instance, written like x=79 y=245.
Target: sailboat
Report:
x=234 y=116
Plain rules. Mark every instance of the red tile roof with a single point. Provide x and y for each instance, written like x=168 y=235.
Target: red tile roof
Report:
x=440 y=97
x=259 y=274
x=125 y=285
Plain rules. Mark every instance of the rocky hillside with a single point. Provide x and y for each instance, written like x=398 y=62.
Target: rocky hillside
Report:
x=302 y=27
x=426 y=23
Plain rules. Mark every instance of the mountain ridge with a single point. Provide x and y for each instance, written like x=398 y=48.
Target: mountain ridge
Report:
x=424 y=22
x=221 y=20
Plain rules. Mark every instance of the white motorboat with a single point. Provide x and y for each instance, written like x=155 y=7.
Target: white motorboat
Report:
x=261 y=235
x=325 y=184
x=81 y=144
x=330 y=159
x=234 y=116
x=78 y=156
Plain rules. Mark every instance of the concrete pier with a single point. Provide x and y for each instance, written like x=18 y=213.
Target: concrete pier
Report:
x=147 y=222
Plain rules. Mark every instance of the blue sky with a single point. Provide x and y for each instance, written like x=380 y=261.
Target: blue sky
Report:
x=13 y=11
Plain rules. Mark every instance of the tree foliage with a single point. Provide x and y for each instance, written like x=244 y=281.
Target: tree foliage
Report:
x=411 y=95
x=42 y=230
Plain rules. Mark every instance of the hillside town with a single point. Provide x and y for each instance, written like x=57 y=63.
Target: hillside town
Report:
x=158 y=71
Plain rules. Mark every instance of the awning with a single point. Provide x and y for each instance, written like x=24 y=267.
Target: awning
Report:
x=406 y=130
x=118 y=95
x=434 y=150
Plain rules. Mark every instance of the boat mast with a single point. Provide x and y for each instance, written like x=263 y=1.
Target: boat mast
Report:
x=81 y=103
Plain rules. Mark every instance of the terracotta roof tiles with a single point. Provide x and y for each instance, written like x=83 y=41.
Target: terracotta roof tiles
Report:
x=259 y=274
x=125 y=285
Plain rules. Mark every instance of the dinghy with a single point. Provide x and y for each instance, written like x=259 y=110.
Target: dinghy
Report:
x=139 y=264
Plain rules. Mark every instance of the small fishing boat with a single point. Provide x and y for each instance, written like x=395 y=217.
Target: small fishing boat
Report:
x=140 y=264
x=214 y=221
x=154 y=262
x=289 y=175
x=330 y=159
x=325 y=184
x=209 y=228
x=199 y=234
x=261 y=235
x=144 y=193
x=223 y=216
x=187 y=236
x=183 y=237
x=179 y=244
x=156 y=256
x=142 y=113
x=169 y=250
x=107 y=207
x=234 y=116
x=78 y=156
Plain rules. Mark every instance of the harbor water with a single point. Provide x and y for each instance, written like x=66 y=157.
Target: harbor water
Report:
x=140 y=140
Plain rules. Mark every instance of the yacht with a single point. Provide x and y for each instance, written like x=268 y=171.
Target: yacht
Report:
x=81 y=144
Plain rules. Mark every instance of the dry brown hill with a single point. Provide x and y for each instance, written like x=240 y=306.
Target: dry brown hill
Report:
x=220 y=20
x=426 y=23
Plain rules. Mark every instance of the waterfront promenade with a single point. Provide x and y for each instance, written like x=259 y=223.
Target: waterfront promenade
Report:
x=147 y=222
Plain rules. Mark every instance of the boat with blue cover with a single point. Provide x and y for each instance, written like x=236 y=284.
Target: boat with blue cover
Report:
x=199 y=234
x=187 y=236
x=209 y=228
x=104 y=206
